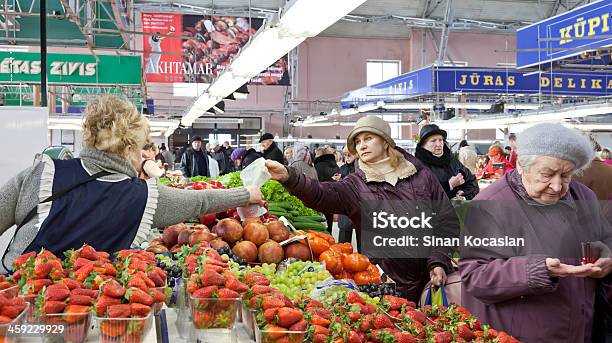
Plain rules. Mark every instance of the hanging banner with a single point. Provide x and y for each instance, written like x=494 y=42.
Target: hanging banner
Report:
x=205 y=49
x=565 y=35
x=73 y=69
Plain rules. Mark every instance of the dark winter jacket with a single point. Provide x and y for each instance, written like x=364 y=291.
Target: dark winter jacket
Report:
x=326 y=167
x=190 y=166
x=347 y=168
x=447 y=166
x=250 y=156
x=225 y=164
x=345 y=196
x=344 y=223
x=274 y=153
x=509 y=287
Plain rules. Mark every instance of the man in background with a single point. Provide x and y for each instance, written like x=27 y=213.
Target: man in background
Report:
x=194 y=161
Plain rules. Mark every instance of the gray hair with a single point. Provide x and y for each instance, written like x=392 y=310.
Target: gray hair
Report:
x=526 y=161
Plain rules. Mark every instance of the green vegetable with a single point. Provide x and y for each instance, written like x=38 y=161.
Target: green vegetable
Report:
x=314 y=218
x=309 y=226
x=199 y=178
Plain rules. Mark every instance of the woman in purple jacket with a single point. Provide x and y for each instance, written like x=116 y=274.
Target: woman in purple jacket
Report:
x=538 y=289
x=383 y=172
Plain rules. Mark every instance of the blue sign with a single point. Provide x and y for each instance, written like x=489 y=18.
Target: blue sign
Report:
x=565 y=35
x=501 y=81
x=402 y=87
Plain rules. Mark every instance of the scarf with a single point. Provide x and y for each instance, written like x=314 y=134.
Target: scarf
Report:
x=382 y=171
x=428 y=158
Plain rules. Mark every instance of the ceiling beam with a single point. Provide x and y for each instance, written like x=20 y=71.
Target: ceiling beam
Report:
x=75 y=19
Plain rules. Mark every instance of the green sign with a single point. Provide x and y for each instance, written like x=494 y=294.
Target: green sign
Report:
x=71 y=69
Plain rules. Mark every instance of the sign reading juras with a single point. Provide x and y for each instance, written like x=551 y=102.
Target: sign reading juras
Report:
x=70 y=68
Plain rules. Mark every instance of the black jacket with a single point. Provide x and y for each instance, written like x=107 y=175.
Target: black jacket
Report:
x=347 y=168
x=274 y=153
x=446 y=167
x=250 y=156
x=326 y=167
x=190 y=168
x=225 y=164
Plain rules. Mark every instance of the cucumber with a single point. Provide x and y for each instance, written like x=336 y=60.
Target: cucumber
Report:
x=276 y=208
x=279 y=213
x=305 y=220
x=314 y=218
x=283 y=204
x=310 y=226
x=295 y=213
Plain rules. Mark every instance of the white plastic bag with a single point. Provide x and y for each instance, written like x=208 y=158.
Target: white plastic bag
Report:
x=256 y=174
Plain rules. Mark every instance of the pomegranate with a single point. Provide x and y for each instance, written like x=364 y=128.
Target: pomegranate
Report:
x=271 y=252
x=246 y=250
x=229 y=230
x=278 y=231
x=256 y=233
x=297 y=250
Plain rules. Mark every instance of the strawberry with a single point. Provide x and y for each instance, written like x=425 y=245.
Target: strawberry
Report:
x=353 y=298
x=139 y=310
x=88 y=252
x=368 y=309
x=71 y=284
x=109 y=269
x=253 y=278
x=104 y=302
x=82 y=300
x=80 y=262
x=318 y=320
x=42 y=270
x=314 y=304
x=113 y=289
x=318 y=329
x=21 y=260
x=84 y=291
x=270 y=302
x=139 y=283
x=275 y=332
x=214 y=268
x=82 y=273
x=382 y=321
x=443 y=337
x=205 y=292
x=135 y=295
x=156 y=278
x=270 y=313
x=145 y=278
x=417 y=316
x=320 y=338
x=209 y=278
x=299 y=326
x=260 y=289
x=157 y=295
x=288 y=316
x=232 y=283
x=394 y=313
x=17 y=302
x=366 y=323
x=119 y=311
x=3 y=300
x=50 y=307
x=464 y=331
x=503 y=337
x=353 y=337
x=5 y=319
x=418 y=330
x=395 y=303
x=37 y=285
x=354 y=316
x=226 y=293
x=57 y=292
x=75 y=313
x=403 y=337
x=113 y=328
x=103 y=255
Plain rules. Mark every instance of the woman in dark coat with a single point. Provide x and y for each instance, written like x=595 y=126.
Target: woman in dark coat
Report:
x=383 y=172
x=455 y=178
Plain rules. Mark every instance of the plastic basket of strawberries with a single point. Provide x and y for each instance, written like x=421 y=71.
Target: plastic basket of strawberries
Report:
x=13 y=312
x=120 y=325
x=279 y=321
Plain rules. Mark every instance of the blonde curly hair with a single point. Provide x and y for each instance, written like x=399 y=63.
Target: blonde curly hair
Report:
x=112 y=124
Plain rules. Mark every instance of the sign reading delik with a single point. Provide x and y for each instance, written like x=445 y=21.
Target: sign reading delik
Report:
x=70 y=68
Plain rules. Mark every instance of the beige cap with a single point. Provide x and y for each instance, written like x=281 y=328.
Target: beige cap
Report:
x=372 y=124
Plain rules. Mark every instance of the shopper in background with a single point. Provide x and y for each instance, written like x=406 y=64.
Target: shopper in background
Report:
x=538 y=292
x=178 y=155
x=512 y=143
x=237 y=156
x=606 y=156
x=250 y=156
x=270 y=150
x=98 y=198
x=507 y=151
x=149 y=167
x=455 y=178
x=325 y=164
x=288 y=155
x=228 y=148
x=167 y=155
x=219 y=155
x=384 y=172
x=467 y=156
x=194 y=161
x=492 y=170
x=302 y=162
x=345 y=225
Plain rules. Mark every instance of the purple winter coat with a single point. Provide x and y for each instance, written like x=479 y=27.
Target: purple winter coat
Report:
x=344 y=197
x=516 y=294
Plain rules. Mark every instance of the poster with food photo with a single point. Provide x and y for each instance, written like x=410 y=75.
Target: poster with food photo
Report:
x=205 y=48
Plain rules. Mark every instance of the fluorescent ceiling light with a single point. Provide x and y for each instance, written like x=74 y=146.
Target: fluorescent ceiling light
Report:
x=408 y=106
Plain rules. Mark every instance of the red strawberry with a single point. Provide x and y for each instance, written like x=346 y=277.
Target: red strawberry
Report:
x=157 y=295
x=84 y=291
x=50 y=307
x=275 y=332
x=71 y=284
x=443 y=337
x=140 y=310
x=104 y=302
x=135 y=295
x=21 y=260
x=109 y=269
x=354 y=316
x=417 y=316
x=82 y=300
x=82 y=273
x=270 y=302
x=57 y=292
x=88 y=252
x=138 y=282
x=253 y=278
x=318 y=329
x=382 y=321
x=80 y=262
x=288 y=316
x=403 y=337
x=232 y=283
x=103 y=255
x=75 y=313
x=320 y=338
x=382 y=335
x=37 y=285
x=226 y=293
x=205 y=292
x=366 y=323
x=145 y=278
x=353 y=298
x=113 y=289
x=314 y=303
x=42 y=270
x=464 y=331
x=209 y=278
x=395 y=303
x=270 y=313
x=369 y=309
x=119 y=311
x=5 y=320
x=156 y=278
x=260 y=289
x=18 y=303
x=318 y=320
x=353 y=337
x=299 y=326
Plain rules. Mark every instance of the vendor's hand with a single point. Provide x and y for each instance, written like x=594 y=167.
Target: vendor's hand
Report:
x=255 y=196
x=456 y=181
x=336 y=177
x=437 y=276
x=558 y=269
x=277 y=170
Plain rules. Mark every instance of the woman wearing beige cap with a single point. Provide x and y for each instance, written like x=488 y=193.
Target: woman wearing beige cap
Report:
x=382 y=172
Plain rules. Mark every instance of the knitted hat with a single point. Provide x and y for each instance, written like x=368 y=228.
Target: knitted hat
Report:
x=555 y=140
x=372 y=124
x=238 y=153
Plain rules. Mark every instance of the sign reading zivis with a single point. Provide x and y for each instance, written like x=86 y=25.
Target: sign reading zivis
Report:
x=70 y=69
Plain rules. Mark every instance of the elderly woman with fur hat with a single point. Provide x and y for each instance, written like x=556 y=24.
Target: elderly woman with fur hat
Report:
x=540 y=289
x=382 y=172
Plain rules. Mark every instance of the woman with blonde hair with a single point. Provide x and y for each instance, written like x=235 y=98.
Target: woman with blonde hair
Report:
x=383 y=172
x=97 y=198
